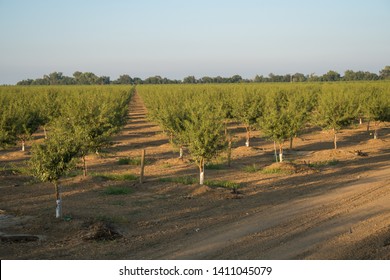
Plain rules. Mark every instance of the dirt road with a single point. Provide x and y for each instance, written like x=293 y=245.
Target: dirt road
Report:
x=320 y=227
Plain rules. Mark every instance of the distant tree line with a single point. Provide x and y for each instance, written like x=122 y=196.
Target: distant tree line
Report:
x=88 y=78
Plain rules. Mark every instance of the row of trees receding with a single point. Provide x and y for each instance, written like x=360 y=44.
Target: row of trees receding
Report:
x=88 y=78
x=197 y=116
x=76 y=120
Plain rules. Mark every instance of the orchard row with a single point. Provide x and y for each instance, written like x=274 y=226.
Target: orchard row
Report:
x=77 y=120
x=196 y=116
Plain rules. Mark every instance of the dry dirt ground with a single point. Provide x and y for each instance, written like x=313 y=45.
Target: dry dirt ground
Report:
x=321 y=204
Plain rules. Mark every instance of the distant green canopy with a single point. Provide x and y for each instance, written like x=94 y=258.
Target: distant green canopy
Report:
x=88 y=78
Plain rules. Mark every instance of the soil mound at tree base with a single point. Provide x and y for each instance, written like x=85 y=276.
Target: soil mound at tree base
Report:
x=286 y=167
x=200 y=190
x=100 y=231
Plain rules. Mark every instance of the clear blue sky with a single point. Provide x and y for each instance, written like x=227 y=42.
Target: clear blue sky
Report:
x=177 y=38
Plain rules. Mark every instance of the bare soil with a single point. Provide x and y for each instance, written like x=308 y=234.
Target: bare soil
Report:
x=320 y=204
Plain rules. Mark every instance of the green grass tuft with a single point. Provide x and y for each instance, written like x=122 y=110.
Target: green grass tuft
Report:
x=251 y=168
x=213 y=166
x=275 y=171
x=129 y=161
x=119 y=190
x=116 y=177
x=186 y=180
x=222 y=184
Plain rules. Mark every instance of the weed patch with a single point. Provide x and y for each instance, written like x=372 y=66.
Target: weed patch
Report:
x=213 y=166
x=118 y=190
x=116 y=177
x=133 y=161
x=251 y=168
x=275 y=170
x=186 y=180
x=223 y=184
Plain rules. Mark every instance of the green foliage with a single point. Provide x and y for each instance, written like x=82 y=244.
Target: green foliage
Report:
x=204 y=129
x=247 y=107
x=376 y=105
x=51 y=159
x=335 y=109
x=276 y=121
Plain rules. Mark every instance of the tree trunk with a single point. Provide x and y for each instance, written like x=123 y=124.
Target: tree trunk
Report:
x=280 y=153
x=171 y=137
x=276 y=155
x=360 y=121
x=181 y=153
x=45 y=132
x=141 y=177
x=335 y=139
x=84 y=166
x=291 y=142
x=201 y=171
x=368 y=125
x=375 y=130
x=23 y=146
x=229 y=152
x=248 y=135
x=58 y=200
x=226 y=122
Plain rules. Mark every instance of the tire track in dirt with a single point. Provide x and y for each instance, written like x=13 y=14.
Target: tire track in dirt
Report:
x=292 y=229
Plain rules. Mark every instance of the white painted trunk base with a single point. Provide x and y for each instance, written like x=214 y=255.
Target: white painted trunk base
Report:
x=181 y=153
x=201 y=178
x=59 y=208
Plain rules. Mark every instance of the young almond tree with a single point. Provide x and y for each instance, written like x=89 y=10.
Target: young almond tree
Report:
x=51 y=159
x=246 y=108
x=376 y=108
x=92 y=119
x=26 y=119
x=204 y=132
x=334 y=111
x=298 y=108
x=7 y=124
x=276 y=121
